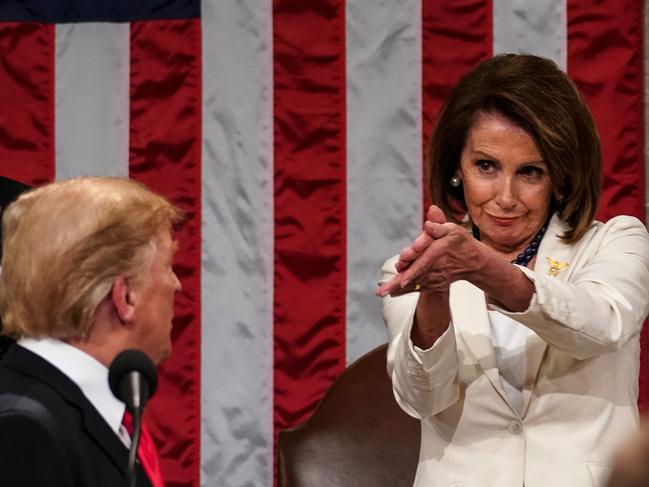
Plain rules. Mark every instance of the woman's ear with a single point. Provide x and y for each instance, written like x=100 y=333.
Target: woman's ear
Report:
x=122 y=295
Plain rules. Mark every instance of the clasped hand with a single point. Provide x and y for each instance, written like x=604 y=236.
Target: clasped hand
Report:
x=443 y=253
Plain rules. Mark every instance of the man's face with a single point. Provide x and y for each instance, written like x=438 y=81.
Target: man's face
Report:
x=154 y=307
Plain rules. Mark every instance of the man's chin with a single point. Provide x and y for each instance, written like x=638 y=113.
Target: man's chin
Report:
x=163 y=356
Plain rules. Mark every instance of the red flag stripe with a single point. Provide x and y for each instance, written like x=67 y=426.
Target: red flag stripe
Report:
x=309 y=211
x=611 y=81
x=27 y=114
x=165 y=151
x=605 y=60
x=456 y=37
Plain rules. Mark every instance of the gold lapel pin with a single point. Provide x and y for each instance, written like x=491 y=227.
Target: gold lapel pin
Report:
x=555 y=266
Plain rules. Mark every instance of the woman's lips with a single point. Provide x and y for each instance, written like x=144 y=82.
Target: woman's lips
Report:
x=501 y=220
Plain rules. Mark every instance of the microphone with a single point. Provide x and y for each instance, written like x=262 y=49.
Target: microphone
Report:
x=133 y=379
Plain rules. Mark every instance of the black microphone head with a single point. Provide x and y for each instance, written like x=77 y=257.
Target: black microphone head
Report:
x=130 y=363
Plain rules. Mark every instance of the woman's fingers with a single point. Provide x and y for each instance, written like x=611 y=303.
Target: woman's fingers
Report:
x=435 y=214
x=438 y=230
x=411 y=262
x=422 y=242
x=391 y=287
x=413 y=251
x=404 y=281
x=422 y=264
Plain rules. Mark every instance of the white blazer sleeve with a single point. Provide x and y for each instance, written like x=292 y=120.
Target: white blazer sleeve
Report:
x=424 y=381
x=605 y=299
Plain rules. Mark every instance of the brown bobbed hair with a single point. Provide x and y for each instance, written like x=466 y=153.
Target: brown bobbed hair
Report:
x=64 y=245
x=541 y=99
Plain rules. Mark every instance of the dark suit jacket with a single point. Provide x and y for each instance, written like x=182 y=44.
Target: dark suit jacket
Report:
x=50 y=434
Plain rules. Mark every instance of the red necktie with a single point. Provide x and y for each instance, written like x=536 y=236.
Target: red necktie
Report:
x=146 y=451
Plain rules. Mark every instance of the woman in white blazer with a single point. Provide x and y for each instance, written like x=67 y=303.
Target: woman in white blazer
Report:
x=514 y=318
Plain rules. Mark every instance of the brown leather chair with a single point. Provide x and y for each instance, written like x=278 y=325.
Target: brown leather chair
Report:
x=358 y=435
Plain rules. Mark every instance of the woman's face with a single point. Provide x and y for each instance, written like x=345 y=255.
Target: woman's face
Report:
x=507 y=186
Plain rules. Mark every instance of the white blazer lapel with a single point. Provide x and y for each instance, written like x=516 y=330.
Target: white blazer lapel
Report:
x=471 y=319
x=553 y=259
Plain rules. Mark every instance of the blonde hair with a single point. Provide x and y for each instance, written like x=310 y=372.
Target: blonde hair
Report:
x=65 y=244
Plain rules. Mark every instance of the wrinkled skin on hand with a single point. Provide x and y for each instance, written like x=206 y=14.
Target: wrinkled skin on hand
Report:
x=443 y=253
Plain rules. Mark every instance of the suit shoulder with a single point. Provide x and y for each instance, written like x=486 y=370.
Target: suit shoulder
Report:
x=23 y=395
x=617 y=227
x=621 y=228
x=624 y=222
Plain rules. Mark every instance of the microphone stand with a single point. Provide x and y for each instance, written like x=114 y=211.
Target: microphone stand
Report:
x=135 y=443
x=133 y=380
x=140 y=390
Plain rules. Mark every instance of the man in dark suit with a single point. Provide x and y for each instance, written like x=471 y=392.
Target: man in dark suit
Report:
x=9 y=191
x=87 y=274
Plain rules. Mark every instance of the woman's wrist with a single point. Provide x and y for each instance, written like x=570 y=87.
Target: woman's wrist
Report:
x=432 y=318
x=503 y=282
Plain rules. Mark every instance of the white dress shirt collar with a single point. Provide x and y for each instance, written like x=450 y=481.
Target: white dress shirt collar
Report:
x=85 y=371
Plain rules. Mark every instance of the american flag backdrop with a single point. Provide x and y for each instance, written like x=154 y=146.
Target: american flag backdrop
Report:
x=292 y=133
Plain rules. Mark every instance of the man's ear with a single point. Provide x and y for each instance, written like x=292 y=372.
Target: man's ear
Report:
x=122 y=296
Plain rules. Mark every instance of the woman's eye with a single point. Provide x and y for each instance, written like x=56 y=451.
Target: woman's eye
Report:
x=485 y=165
x=532 y=171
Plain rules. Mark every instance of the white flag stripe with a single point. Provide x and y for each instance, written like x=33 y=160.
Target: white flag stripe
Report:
x=538 y=27
x=92 y=99
x=237 y=244
x=384 y=157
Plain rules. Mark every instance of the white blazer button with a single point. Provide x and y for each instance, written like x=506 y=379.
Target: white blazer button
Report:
x=515 y=428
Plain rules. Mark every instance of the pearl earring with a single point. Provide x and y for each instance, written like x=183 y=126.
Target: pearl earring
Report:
x=456 y=181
